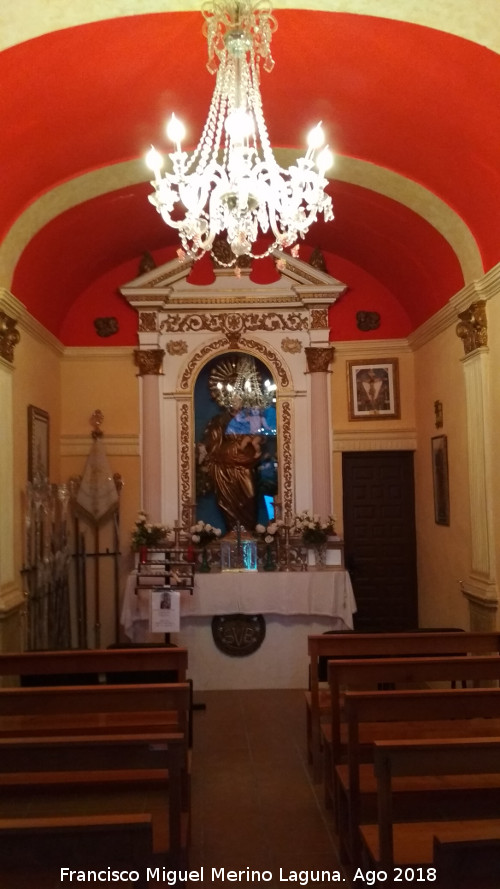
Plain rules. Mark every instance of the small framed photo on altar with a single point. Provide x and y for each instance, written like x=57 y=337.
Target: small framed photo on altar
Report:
x=165 y=610
x=373 y=389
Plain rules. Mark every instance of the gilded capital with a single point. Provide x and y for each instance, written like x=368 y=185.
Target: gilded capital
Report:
x=149 y=361
x=9 y=336
x=319 y=358
x=473 y=326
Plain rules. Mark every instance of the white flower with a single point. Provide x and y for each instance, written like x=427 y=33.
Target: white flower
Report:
x=208 y=527
x=272 y=528
x=268 y=538
x=260 y=529
x=217 y=532
x=196 y=538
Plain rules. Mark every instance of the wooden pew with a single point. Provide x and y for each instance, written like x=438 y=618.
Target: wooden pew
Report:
x=468 y=863
x=410 y=844
x=99 y=666
x=395 y=715
x=372 y=645
x=99 y=710
x=74 y=784
x=370 y=673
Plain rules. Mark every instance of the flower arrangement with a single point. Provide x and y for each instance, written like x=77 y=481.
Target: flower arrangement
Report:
x=268 y=533
x=148 y=533
x=313 y=529
x=203 y=533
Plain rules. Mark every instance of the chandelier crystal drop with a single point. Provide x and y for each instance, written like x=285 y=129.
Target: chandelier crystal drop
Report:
x=232 y=182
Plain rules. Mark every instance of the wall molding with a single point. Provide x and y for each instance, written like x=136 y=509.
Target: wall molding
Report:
x=485 y=288
x=369 y=348
x=28 y=323
x=90 y=353
x=396 y=440
x=116 y=445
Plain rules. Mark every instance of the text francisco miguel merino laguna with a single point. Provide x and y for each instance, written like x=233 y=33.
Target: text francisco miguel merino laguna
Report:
x=214 y=874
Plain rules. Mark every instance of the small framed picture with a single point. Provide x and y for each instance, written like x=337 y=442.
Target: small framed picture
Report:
x=38 y=443
x=373 y=388
x=440 y=479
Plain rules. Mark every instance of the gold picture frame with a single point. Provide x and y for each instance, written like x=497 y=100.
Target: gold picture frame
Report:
x=373 y=388
x=38 y=442
x=440 y=478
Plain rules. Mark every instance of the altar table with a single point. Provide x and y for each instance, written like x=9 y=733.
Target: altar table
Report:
x=294 y=605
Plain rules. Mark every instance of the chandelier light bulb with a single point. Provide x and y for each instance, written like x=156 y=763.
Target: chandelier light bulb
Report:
x=325 y=159
x=176 y=131
x=231 y=184
x=239 y=125
x=316 y=137
x=154 y=161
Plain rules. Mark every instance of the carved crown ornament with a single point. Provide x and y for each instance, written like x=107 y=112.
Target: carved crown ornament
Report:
x=9 y=336
x=473 y=326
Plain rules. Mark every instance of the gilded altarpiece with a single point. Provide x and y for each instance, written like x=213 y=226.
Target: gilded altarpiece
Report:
x=272 y=325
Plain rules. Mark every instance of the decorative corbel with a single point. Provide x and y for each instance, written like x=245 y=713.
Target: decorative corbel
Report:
x=473 y=326
x=149 y=361
x=319 y=358
x=9 y=336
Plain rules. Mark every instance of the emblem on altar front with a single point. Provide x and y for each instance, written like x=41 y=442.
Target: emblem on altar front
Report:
x=238 y=635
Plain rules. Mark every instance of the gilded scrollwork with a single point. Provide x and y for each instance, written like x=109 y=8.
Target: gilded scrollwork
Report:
x=176 y=347
x=473 y=326
x=185 y=463
x=286 y=462
x=319 y=358
x=198 y=358
x=9 y=336
x=149 y=361
x=233 y=322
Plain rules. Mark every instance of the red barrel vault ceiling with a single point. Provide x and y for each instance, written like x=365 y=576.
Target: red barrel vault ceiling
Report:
x=418 y=104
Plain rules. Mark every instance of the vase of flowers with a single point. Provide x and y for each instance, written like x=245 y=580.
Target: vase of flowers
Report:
x=269 y=535
x=148 y=534
x=315 y=532
x=202 y=535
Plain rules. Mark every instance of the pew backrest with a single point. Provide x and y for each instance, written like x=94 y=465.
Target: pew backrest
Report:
x=427 y=757
x=351 y=674
x=101 y=664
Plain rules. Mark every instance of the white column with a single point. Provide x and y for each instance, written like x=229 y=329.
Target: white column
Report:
x=11 y=596
x=318 y=362
x=473 y=331
x=150 y=363
x=476 y=372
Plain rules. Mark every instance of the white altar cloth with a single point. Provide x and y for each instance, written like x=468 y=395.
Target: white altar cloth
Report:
x=294 y=604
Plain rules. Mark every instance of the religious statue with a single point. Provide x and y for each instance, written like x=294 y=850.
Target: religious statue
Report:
x=230 y=460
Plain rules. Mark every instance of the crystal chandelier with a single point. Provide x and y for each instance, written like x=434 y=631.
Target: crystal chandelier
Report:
x=232 y=182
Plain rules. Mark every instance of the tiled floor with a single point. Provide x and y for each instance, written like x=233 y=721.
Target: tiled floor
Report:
x=253 y=803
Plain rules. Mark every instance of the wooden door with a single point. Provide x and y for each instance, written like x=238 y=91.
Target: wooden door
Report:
x=379 y=533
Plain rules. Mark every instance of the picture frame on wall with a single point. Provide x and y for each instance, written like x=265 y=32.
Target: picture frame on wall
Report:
x=373 y=389
x=440 y=479
x=38 y=442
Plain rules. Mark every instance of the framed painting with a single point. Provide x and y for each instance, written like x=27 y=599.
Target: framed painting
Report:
x=440 y=479
x=38 y=442
x=373 y=388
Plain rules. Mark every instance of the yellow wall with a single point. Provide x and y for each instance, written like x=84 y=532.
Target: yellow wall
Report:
x=443 y=552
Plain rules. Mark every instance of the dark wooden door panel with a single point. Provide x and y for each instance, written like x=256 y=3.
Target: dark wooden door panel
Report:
x=379 y=532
